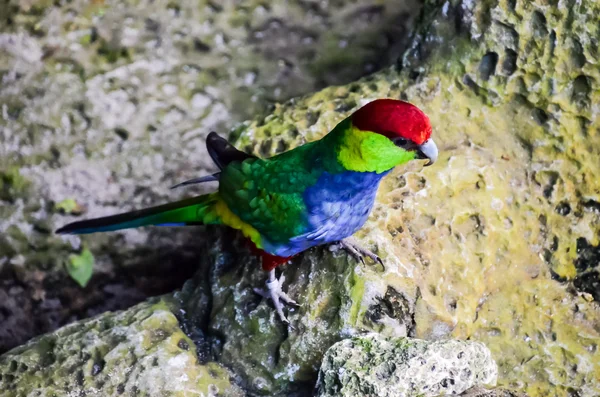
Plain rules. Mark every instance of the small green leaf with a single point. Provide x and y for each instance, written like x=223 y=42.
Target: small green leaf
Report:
x=80 y=267
x=69 y=206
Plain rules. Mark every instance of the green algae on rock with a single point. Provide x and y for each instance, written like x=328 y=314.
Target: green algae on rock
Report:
x=484 y=392
x=483 y=245
x=373 y=366
x=108 y=103
x=485 y=241
x=248 y=336
x=141 y=351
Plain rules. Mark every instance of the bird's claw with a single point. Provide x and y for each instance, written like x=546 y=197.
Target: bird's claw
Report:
x=357 y=251
x=275 y=293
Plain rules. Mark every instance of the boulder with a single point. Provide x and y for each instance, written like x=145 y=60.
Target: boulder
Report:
x=495 y=243
x=372 y=365
x=484 y=392
x=106 y=104
x=141 y=351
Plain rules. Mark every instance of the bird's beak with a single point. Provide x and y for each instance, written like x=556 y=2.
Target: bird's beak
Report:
x=428 y=150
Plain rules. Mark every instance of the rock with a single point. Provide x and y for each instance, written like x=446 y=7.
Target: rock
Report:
x=371 y=365
x=107 y=104
x=483 y=245
x=483 y=392
x=338 y=298
x=141 y=351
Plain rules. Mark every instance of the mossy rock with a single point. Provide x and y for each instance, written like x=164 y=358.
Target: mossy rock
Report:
x=482 y=245
x=374 y=366
x=338 y=298
x=106 y=104
x=141 y=351
x=486 y=392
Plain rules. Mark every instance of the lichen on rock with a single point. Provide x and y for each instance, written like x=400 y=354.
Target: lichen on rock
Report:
x=495 y=243
x=486 y=392
x=108 y=102
x=485 y=241
x=334 y=292
x=141 y=351
x=371 y=365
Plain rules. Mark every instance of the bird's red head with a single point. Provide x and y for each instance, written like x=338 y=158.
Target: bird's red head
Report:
x=395 y=119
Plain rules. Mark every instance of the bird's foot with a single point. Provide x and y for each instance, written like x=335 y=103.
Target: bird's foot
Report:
x=275 y=293
x=357 y=251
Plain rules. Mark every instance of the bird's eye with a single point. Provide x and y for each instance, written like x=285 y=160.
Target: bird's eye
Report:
x=400 y=141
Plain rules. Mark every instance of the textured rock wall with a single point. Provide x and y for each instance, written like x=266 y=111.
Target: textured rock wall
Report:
x=105 y=104
x=141 y=351
x=496 y=242
x=399 y=367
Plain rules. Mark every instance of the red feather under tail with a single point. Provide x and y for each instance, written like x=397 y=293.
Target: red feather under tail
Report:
x=269 y=262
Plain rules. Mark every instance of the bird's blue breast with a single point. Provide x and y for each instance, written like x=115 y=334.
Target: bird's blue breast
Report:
x=337 y=206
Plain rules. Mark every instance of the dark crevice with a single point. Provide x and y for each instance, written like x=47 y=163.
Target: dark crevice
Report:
x=581 y=92
x=592 y=205
x=588 y=256
x=487 y=66
x=509 y=65
x=393 y=305
x=469 y=82
x=540 y=116
x=564 y=208
x=588 y=269
x=30 y=306
x=538 y=23
x=224 y=256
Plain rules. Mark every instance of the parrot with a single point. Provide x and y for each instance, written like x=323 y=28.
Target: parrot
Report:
x=319 y=193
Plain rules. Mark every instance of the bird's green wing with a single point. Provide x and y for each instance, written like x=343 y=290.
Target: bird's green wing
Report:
x=268 y=193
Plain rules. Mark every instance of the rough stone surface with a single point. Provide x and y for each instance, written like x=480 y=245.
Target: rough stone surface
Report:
x=141 y=351
x=483 y=392
x=338 y=299
x=495 y=243
x=371 y=365
x=105 y=104
x=483 y=245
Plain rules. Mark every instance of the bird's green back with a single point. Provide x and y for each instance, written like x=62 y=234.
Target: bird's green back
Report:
x=268 y=193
